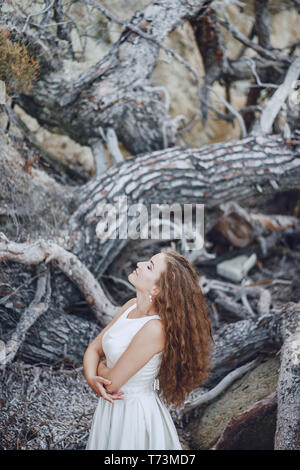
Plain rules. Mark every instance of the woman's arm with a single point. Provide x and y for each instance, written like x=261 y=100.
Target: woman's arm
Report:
x=95 y=351
x=98 y=382
x=149 y=340
x=90 y=363
x=102 y=369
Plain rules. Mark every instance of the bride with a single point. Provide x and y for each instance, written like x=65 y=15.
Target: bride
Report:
x=157 y=350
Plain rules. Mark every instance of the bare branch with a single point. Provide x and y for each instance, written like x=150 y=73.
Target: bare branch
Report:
x=37 y=13
x=46 y=251
x=272 y=55
x=265 y=123
x=263 y=24
x=234 y=111
x=205 y=398
x=38 y=306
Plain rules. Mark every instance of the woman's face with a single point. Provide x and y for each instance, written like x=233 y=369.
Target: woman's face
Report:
x=148 y=272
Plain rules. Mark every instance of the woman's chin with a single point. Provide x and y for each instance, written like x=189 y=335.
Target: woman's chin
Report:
x=130 y=278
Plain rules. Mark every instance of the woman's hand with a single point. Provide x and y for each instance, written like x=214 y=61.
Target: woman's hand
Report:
x=98 y=383
x=102 y=367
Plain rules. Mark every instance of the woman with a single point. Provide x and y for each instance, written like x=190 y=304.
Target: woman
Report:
x=160 y=339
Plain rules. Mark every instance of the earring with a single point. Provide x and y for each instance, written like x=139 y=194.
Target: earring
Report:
x=150 y=298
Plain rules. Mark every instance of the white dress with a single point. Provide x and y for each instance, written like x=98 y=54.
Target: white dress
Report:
x=141 y=421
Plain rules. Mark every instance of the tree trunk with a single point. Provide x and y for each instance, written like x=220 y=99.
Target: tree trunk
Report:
x=241 y=341
x=116 y=92
x=51 y=223
x=58 y=340
x=287 y=435
x=212 y=175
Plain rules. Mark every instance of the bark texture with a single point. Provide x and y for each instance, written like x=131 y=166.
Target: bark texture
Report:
x=288 y=392
x=50 y=214
x=116 y=92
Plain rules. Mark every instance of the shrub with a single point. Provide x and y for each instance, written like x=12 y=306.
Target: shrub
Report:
x=18 y=69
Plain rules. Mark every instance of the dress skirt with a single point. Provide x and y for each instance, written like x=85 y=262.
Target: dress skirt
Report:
x=139 y=422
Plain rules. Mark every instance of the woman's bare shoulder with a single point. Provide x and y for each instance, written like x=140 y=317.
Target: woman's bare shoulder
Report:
x=154 y=329
x=124 y=307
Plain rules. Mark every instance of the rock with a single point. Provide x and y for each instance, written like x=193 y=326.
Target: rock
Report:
x=253 y=429
x=236 y=268
x=254 y=386
x=2 y=352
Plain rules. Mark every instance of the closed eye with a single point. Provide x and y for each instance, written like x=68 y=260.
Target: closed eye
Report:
x=152 y=264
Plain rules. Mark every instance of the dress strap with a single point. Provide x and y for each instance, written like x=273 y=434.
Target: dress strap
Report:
x=129 y=309
x=152 y=316
x=146 y=317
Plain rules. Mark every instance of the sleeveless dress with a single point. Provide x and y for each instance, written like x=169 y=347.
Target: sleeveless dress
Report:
x=141 y=420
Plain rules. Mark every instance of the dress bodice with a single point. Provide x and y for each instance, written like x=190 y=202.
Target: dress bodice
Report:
x=116 y=340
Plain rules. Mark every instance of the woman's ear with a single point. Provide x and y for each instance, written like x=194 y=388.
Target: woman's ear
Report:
x=154 y=291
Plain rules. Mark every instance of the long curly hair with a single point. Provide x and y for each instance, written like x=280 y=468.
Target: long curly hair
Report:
x=183 y=309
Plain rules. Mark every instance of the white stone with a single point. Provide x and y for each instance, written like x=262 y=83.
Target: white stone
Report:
x=2 y=352
x=236 y=268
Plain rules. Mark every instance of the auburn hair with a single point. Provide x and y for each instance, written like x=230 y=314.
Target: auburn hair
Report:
x=181 y=305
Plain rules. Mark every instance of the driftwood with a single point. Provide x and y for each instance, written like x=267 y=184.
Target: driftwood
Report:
x=227 y=295
x=240 y=342
x=58 y=341
x=285 y=400
x=91 y=108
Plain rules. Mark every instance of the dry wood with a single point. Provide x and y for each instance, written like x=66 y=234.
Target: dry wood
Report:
x=208 y=397
x=241 y=227
x=91 y=109
x=117 y=85
x=237 y=311
x=239 y=292
x=241 y=342
x=212 y=175
x=288 y=390
x=43 y=251
x=263 y=23
x=264 y=125
x=38 y=306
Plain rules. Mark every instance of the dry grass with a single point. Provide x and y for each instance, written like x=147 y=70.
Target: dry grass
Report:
x=42 y=408
x=18 y=69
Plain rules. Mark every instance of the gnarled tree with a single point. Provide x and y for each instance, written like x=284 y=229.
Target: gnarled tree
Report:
x=50 y=212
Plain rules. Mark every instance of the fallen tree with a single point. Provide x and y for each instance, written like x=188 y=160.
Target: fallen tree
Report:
x=49 y=220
